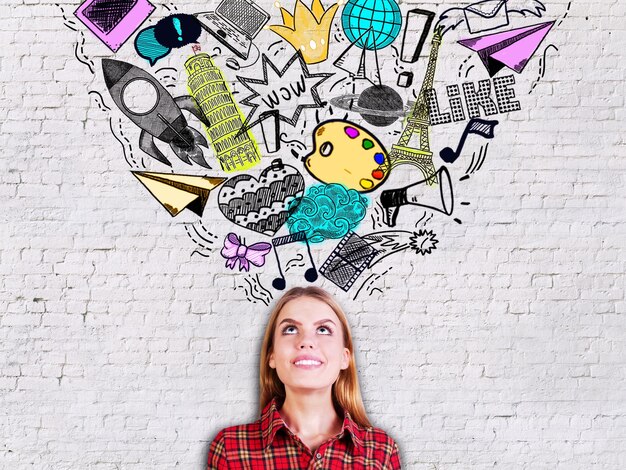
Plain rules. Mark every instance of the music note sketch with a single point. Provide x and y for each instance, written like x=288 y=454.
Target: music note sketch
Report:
x=481 y=127
x=310 y=274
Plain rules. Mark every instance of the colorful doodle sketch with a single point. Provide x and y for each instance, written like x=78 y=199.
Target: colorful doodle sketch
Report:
x=262 y=205
x=114 y=21
x=235 y=150
x=261 y=79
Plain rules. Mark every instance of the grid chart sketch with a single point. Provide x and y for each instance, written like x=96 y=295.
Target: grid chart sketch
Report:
x=243 y=14
x=381 y=18
x=347 y=261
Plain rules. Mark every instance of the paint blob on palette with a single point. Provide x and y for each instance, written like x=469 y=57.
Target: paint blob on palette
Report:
x=347 y=154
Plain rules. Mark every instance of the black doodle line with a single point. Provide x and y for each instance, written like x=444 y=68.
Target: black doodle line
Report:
x=253 y=289
x=68 y=23
x=248 y=296
x=76 y=46
x=468 y=70
x=542 y=66
x=204 y=247
x=421 y=218
x=483 y=151
x=162 y=78
x=279 y=51
x=269 y=49
x=565 y=15
x=207 y=231
x=210 y=242
x=465 y=203
x=293 y=262
x=101 y=104
x=369 y=278
x=372 y=291
x=293 y=143
x=337 y=83
x=396 y=55
x=476 y=163
x=458 y=221
x=376 y=223
x=130 y=145
x=463 y=64
x=359 y=290
x=428 y=220
x=470 y=165
x=166 y=68
x=120 y=141
x=265 y=291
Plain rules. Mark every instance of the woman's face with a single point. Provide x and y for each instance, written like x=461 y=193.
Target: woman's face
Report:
x=308 y=351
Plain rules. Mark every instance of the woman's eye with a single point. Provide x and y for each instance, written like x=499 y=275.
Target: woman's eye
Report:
x=290 y=330
x=325 y=330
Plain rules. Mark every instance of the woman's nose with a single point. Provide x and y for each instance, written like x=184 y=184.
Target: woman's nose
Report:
x=307 y=342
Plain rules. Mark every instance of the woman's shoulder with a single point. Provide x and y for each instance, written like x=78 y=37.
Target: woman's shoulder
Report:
x=241 y=431
x=380 y=446
x=376 y=435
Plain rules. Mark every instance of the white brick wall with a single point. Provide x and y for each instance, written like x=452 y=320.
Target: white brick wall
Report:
x=505 y=348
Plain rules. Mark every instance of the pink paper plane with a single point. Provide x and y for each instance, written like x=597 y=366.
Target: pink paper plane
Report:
x=512 y=49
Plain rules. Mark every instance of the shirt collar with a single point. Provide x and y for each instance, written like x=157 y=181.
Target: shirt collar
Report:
x=272 y=422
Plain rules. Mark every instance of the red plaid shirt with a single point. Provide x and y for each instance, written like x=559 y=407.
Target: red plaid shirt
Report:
x=269 y=444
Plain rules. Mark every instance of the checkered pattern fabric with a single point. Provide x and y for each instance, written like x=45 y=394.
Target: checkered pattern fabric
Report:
x=269 y=444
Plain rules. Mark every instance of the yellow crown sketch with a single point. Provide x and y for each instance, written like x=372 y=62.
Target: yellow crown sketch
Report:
x=307 y=30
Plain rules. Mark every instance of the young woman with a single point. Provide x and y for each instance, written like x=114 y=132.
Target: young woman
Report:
x=312 y=413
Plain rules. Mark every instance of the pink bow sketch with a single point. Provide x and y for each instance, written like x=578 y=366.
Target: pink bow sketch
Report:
x=234 y=250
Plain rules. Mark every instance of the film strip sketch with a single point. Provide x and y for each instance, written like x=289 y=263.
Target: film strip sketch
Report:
x=347 y=261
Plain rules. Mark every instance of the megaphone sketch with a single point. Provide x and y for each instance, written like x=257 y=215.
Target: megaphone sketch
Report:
x=419 y=194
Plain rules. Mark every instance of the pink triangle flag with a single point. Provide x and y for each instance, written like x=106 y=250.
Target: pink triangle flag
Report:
x=512 y=49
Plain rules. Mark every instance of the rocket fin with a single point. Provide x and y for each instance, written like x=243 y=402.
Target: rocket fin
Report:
x=188 y=103
x=193 y=152
x=146 y=143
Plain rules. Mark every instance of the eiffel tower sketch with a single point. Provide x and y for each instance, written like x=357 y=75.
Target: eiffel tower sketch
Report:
x=418 y=122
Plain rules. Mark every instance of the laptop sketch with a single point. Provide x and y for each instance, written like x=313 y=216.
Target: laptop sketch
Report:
x=235 y=23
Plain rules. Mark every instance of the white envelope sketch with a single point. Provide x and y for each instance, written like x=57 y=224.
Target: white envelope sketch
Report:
x=486 y=15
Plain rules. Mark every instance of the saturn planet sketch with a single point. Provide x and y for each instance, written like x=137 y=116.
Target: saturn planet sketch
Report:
x=379 y=105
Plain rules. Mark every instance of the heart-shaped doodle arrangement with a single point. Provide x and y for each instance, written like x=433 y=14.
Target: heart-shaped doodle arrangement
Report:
x=261 y=205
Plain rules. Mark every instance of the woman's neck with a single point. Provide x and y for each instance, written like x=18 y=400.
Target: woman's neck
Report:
x=311 y=416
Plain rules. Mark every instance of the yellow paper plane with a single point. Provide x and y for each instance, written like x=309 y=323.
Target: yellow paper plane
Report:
x=178 y=192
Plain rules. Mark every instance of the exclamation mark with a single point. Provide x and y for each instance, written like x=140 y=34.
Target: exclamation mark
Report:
x=176 y=23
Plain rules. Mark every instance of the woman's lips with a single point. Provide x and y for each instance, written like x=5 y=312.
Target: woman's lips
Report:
x=307 y=362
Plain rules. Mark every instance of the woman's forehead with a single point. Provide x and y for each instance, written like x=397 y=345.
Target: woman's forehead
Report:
x=307 y=310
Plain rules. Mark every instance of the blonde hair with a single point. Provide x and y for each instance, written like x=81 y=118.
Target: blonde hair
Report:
x=345 y=392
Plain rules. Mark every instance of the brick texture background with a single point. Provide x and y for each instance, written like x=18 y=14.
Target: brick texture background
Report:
x=504 y=348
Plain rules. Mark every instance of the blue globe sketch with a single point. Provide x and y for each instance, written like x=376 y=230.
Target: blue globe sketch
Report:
x=371 y=24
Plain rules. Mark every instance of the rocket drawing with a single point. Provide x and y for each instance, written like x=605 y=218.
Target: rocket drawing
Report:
x=165 y=121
